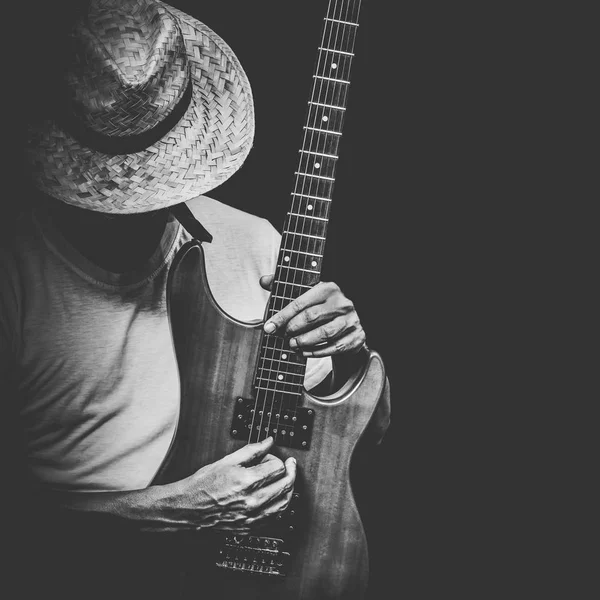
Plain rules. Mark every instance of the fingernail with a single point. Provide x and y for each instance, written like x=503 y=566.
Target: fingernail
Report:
x=270 y=327
x=293 y=343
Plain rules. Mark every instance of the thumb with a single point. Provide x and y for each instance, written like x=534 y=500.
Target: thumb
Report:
x=249 y=453
x=266 y=281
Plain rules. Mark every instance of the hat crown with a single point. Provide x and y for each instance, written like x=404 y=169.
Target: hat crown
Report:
x=129 y=68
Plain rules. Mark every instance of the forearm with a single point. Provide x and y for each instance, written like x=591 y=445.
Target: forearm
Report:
x=144 y=509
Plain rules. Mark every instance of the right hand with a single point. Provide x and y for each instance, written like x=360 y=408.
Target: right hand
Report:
x=233 y=493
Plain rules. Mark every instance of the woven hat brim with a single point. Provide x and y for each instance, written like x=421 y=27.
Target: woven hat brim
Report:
x=206 y=147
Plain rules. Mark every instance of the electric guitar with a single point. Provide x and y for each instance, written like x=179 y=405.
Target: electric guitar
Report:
x=240 y=385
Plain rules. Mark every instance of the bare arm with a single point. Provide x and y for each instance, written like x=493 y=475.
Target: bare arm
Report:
x=241 y=489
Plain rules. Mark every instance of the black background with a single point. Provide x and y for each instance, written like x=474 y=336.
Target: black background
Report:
x=442 y=200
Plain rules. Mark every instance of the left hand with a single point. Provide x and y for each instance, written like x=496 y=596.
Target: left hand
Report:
x=320 y=322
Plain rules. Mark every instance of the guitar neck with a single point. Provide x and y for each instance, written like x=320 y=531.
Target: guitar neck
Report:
x=305 y=228
x=303 y=236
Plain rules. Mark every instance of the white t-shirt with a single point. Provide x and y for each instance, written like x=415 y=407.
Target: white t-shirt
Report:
x=91 y=353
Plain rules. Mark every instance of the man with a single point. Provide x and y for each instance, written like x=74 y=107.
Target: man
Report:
x=155 y=111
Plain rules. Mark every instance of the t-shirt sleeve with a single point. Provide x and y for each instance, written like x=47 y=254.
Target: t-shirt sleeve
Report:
x=317 y=369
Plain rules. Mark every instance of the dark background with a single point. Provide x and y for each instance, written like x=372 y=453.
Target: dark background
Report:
x=442 y=207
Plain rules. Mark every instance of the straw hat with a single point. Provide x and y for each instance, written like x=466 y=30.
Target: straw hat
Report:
x=157 y=110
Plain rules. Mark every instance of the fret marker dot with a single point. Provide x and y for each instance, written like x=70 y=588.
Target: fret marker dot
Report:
x=313 y=263
x=325 y=118
x=333 y=65
x=284 y=356
x=280 y=377
x=310 y=207
x=317 y=165
x=286 y=258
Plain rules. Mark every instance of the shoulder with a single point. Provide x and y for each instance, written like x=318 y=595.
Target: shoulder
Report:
x=224 y=221
x=244 y=247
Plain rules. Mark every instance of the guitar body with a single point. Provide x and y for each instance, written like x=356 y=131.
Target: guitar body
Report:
x=324 y=541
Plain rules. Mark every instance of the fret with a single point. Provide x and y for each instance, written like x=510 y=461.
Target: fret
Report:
x=314 y=162
x=344 y=11
x=274 y=345
x=310 y=205
x=328 y=105
x=336 y=51
x=259 y=387
x=290 y=291
x=334 y=66
x=341 y=28
x=266 y=377
x=288 y=297
x=317 y=141
x=279 y=353
x=293 y=284
x=320 y=168
x=306 y=226
x=330 y=91
x=314 y=270
x=322 y=130
x=344 y=22
x=301 y=261
x=325 y=116
x=331 y=79
x=308 y=216
x=314 y=186
x=279 y=302
x=305 y=235
x=317 y=167
x=311 y=197
x=341 y=37
x=325 y=158
x=315 y=176
x=311 y=246
x=308 y=253
x=303 y=279
x=274 y=361
x=297 y=257
x=295 y=376
x=282 y=379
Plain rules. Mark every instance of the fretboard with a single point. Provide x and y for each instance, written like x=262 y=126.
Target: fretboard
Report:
x=300 y=259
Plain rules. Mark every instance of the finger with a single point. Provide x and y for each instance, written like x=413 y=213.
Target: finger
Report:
x=267 y=471
x=266 y=281
x=327 y=333
x=249 y=453
x=324 y=314
x=350 y=343
x=315 y=295
x=268 y=457
x=280 y=487
x=273 y=509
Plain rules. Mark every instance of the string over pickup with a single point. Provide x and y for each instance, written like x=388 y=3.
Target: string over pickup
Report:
x=290 y=426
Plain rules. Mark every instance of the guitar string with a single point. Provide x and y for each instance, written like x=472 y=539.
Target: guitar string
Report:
x=296 y=243
x=283 y=279
x=308 y=165
x=299 y=242
x=337 y=27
